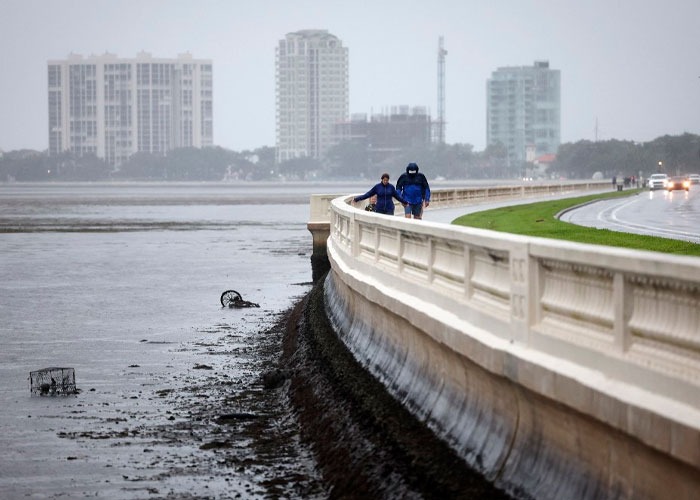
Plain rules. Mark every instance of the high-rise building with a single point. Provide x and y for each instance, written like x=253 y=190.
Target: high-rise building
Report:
x=523 y=111
x=114 y=107
x=311 y=93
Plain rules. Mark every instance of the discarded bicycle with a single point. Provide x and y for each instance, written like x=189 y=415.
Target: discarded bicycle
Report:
x=231 y=298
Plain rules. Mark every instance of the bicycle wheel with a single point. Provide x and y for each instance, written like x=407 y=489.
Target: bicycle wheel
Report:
x=228 y=296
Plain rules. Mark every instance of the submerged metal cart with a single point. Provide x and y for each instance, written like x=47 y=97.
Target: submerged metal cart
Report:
x=52 y=381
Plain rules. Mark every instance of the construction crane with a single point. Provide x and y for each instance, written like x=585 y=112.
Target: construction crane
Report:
x=441 y=92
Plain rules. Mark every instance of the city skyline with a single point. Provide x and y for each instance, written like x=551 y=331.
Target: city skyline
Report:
x=629 y=70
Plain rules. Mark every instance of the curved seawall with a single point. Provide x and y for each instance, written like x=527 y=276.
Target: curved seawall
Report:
x=366 y=443
x=527 y=445
x=557 y=370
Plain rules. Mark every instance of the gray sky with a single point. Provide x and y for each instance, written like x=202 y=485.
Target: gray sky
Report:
x=631 y=66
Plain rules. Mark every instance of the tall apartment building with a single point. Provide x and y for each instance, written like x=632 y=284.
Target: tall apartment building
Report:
x=311 y=93
x=523 y=111
x=114 y=107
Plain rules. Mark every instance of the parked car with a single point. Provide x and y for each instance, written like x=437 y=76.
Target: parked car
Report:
x=677 y=183
x=694 y=178
x=657 y=181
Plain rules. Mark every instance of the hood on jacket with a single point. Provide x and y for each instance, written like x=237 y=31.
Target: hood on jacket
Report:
x=412 y=168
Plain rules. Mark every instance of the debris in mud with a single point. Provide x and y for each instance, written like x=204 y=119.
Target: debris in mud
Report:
x=274 y=378
x=53 y=381
x=228 y=417
x=215 y=445
x=237 y=303
x=233 y=299
x=202 y=367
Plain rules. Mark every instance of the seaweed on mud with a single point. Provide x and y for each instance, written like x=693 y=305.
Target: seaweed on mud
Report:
x=367 y=444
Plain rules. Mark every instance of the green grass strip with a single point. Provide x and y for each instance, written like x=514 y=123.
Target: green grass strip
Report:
x=538 y=219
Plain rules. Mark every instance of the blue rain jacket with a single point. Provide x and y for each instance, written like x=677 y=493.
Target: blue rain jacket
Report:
x=385 y=197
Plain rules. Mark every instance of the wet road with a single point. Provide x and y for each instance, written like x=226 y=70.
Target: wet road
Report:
x=674 y=214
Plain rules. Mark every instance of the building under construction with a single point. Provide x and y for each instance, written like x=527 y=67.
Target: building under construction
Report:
x=389 y=133
x=399 y=128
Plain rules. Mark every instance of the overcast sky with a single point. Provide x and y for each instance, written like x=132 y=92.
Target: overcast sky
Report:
x=630 y=66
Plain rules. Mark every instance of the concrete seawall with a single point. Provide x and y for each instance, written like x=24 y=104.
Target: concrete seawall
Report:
x=528 y=445
x=556 y=370
x=366 y=443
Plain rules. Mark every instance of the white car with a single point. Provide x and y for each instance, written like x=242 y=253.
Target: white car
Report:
x=657 y=181
x=694 y=178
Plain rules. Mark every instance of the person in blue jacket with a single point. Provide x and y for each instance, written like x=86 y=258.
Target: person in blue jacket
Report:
x=385 y=194
x=414 y=188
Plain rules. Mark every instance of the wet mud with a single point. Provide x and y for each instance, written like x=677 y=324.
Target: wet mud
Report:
x=224 y=428
x=366 y=444
x=284 y=413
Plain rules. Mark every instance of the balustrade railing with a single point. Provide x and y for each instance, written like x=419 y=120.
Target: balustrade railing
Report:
x=632 y=316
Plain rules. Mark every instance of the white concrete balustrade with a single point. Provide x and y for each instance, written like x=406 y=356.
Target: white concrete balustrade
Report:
x=606 y=337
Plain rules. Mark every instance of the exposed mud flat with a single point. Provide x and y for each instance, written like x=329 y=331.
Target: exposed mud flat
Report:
x=223 y=428
x=367 y=445
x=284 y=413
x=181 y=398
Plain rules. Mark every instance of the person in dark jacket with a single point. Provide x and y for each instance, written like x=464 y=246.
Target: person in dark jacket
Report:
x=385 y=194
x=414 y=188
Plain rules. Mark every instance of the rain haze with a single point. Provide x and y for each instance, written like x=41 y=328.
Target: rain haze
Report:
x=629 y=68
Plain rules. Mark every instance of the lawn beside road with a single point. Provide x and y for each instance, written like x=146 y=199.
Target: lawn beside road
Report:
x=539 y=219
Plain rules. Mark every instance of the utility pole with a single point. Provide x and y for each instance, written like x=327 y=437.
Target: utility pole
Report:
x=595 y=131
x=441 y=92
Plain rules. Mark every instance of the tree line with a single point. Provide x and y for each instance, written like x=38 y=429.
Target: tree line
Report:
x=580 y=160
x=672 y=155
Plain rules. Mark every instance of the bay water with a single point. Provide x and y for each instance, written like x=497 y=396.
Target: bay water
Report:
x=122 y=283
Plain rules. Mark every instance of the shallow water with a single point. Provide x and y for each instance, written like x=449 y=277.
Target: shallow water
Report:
x=122 y=283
